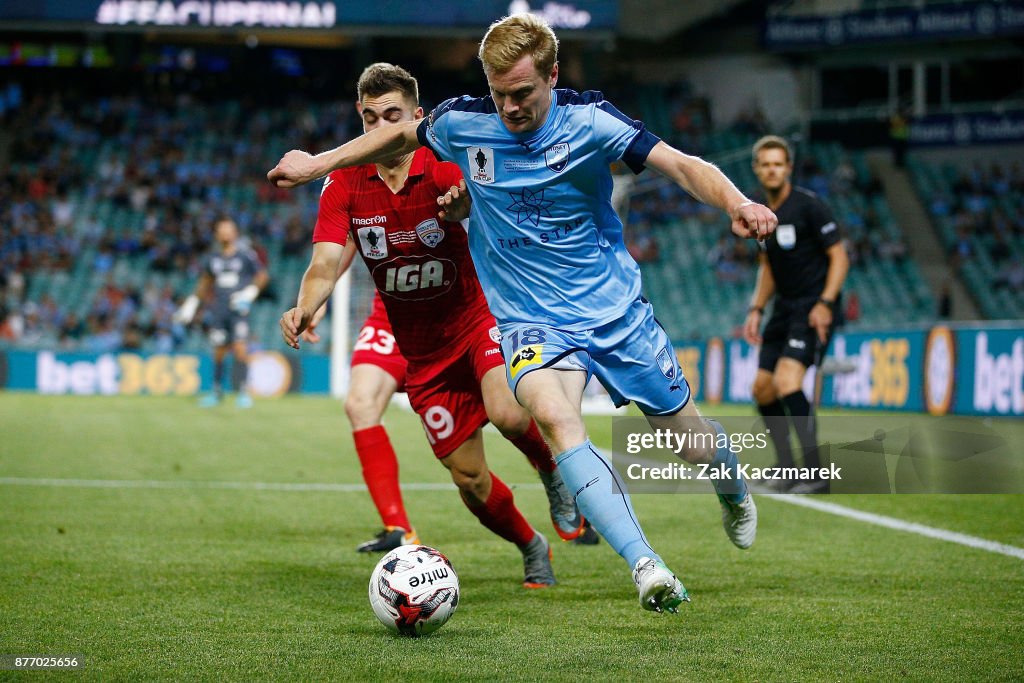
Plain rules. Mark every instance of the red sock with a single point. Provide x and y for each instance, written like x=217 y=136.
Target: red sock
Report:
x=533 y=445
x=500 y=514
x=380 y=472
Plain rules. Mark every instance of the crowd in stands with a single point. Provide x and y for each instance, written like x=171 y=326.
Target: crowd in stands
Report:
x=175 y=160
x=734 y=259
x=139 y=179
x=987 y=212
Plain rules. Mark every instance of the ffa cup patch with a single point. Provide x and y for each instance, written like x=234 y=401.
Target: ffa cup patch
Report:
x=481 y=164
x=372 y=242
x=430 y=232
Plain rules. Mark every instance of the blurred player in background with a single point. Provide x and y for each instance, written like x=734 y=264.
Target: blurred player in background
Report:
x=232 y=277
x=803 y=265
x=549 y=251
x=422 y=268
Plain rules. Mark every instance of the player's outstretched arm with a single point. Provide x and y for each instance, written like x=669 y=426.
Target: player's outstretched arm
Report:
x=708 y=184
x=310 y=333
x=317 y=283
x=387 y=142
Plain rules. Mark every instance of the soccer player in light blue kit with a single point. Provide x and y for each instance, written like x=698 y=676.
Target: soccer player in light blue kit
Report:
x=549 y=252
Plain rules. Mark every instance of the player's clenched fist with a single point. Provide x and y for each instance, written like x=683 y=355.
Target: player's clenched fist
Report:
x=454 y=203
x=293 y=322
x=295 y=168
x=754 y=220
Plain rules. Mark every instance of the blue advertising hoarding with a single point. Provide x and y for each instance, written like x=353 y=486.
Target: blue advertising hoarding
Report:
x=131 y=374
x=961 y=370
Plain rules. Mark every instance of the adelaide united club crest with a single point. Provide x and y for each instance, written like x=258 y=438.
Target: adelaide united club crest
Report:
x=430 y=232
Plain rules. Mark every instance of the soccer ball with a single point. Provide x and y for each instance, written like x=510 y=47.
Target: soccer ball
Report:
x=414 y=590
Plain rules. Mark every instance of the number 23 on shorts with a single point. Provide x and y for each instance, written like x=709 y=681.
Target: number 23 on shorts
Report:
x=376 y=340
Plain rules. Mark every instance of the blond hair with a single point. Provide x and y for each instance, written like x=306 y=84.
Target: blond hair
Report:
x=512 y=38
x=772 y=142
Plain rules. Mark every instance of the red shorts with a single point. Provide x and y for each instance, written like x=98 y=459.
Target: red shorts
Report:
x=376 y=345
x=445 y=391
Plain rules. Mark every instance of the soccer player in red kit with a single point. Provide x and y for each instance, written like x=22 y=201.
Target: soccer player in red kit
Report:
x=420 y=264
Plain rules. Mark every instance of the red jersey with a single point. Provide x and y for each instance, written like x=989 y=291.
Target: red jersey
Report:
x=419 y=263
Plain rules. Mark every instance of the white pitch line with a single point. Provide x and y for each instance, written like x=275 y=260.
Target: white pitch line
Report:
x=801 y=501
x=191 y=484
x=900 y=525
x=229 y=485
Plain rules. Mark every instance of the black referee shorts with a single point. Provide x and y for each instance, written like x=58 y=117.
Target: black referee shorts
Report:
x=787 y=334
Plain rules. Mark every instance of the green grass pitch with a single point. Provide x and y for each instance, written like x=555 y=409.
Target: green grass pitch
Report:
x=198 y=583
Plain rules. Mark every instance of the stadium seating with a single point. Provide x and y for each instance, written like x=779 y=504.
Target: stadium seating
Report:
x=695 y=300
x=980 y=219
x=151 y=165
x=147 y=178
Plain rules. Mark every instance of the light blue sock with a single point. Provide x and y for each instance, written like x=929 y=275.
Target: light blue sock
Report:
x=735 y=489
x=602 y=498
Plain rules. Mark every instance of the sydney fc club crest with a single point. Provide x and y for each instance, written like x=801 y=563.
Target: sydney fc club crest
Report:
x=430 y=233
x=372 y=242
x=668 y=368
x=557 y=156
x=481 y=164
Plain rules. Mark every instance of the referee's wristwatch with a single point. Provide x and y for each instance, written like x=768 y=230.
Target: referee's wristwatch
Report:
x=829 y=304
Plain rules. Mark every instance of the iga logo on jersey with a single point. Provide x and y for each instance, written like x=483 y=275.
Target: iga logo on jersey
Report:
x=406 y=280
x=430 y=233
x=372 y=242
x=557 y=157
x=481 y=163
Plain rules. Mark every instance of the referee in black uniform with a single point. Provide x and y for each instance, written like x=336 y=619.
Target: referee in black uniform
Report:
x=803 y=264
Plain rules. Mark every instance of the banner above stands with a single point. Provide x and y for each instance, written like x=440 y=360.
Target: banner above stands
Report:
x=592 y=15
x=895 y=25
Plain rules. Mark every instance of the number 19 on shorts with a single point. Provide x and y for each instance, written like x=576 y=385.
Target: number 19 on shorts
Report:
x=438 y=423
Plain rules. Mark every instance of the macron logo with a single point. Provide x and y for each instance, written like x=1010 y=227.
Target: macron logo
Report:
x=327 y=181
x=372 y=220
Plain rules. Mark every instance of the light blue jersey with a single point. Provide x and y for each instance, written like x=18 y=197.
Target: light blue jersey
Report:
x=545 y=240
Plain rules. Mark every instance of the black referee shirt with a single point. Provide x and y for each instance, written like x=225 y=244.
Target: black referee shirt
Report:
x=796 y=251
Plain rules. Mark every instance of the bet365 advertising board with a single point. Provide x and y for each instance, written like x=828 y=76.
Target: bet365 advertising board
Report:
x=962 y=370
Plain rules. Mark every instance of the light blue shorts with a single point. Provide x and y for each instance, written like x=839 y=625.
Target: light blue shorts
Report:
x=631 y=357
